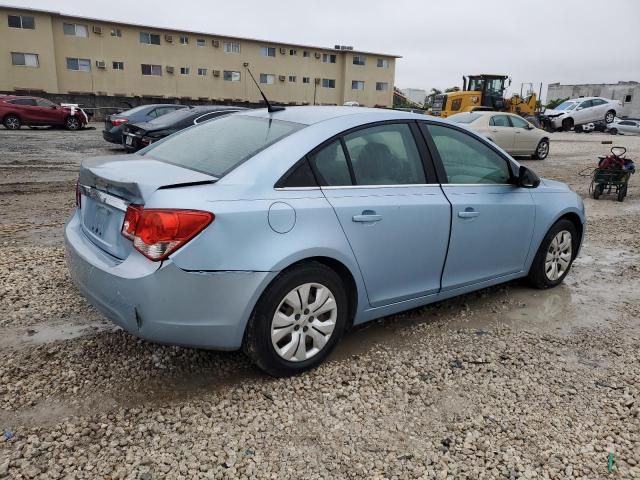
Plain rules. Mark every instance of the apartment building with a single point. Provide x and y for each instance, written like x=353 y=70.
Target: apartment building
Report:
x=55 y=53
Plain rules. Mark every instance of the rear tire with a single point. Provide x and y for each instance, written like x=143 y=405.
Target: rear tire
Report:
x=622 y=193
x=72 y=123
x=12 y=122
x=555 y=255
x=542 y=150
x=567 y=124
x=610 y=116
x=613 y=131
x=285 y=334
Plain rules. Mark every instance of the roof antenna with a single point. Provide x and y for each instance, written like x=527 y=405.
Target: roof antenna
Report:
x=270 y=108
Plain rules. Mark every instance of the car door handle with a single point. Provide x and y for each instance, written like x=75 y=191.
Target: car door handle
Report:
x=367 y=216
x=468 y=213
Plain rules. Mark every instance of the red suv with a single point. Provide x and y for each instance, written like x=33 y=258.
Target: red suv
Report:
x=16 y=111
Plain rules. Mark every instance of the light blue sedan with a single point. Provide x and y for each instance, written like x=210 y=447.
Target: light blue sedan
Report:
x=276 y=231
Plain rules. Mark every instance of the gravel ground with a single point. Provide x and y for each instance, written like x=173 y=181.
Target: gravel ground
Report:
x=507 y=382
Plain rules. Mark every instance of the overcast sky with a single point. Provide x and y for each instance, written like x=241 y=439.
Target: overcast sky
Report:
x=567 y=41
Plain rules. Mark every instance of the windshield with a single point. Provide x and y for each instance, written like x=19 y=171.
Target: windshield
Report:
x=464 y=117
x=566 y=106
x=216 y=148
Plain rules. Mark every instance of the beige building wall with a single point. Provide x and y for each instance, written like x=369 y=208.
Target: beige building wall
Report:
x=289 y=66
x=38 y=41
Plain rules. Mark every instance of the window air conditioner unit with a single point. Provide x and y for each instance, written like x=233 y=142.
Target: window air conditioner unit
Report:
x=317 y=55
x=169 y=69
x=215 y=43
x=97 y=30
x=283 y=51
x=282 y=78
x=216 y=73
x=168 y=38
x=101 y=64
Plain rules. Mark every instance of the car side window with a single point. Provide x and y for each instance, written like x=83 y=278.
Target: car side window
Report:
x=499 y=121
x=41 y=102
x=518 y=122
x=163 y=110
x=598 y=101
x=24 y=101
x=586 y=104
x=153 y=113
x=331 y=166
x=466 y=159
x=385 y=155
x=300 y=176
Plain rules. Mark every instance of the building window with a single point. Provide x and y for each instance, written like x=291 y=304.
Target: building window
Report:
x=155 y=70
x=24 y=59
x=184 y=40
x=22 y=21
x=231 y=76
x=116 y=32
x=268 y=51
x=202 y=72
x=357 y=85
x=75 y=30
x=293 y=51
x=117 y=65
x=358 y=60
x=306 y=53
x=293 y=78
x=306 y=80
x=382 y=86
x=231 y=47
x=328 y=58
x=201 y=42
x=627 y=99
x=79 y=64
x=149 y=38
x=184 y=70
x=267 y=78
x=383 y=63
x=328 y=83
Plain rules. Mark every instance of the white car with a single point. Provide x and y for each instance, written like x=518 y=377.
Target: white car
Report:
x=507 y=130
x=624 y=127
x=579 y=111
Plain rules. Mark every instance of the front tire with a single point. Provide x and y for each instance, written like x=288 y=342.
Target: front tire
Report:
x=298 y=320
x=555 y=255
x=610 y=116
x=613 y=131
x=12 y=122
x=542 y=150
x=72 y=123
x=567 y=124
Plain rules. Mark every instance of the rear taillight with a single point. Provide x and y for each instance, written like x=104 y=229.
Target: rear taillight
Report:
x=118 y=121
x=157 y=233
x=78 y=195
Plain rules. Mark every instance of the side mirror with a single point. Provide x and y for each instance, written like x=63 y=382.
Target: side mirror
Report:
x=54 y=107
x=530 y=127
x=527 y=178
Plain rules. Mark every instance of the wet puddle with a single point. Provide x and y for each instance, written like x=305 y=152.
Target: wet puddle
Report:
x=15 y=337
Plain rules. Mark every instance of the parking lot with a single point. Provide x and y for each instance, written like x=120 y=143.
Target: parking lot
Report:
x=508 y=382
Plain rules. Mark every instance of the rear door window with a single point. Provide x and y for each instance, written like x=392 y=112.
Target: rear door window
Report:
x=518 y=122
x=24 y=101
x=385 y=155
x=331 y=165
x=216 y=148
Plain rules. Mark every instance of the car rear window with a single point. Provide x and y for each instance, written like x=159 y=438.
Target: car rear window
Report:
x=217 y=147
x=465 y=117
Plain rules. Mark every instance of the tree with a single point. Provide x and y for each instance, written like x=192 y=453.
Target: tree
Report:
x=451 y=89
x=554 y=103
x=428 y=101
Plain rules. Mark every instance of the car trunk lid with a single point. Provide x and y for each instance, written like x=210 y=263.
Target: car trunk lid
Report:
x=109 y=185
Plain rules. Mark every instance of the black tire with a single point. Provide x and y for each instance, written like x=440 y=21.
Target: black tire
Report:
x=257 y=343
x=72 y=123
x=613 y=131
x=597 y=191
x=537 y=273
x=578 y=129
x=12 y=122
x=542 y=150
x=609 y=117
x=567 y=124
x=622 y=193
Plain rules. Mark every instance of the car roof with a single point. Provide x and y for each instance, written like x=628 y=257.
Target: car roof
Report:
x=309 y=115
x=213 y=108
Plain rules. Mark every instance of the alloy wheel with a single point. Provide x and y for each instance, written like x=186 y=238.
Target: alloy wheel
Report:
x=12 y=123
x=558 y=257
x=543 y=150
x=304 y=322
x=609 y=117
x=73 y=123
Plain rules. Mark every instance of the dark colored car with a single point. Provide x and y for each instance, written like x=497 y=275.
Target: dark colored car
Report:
x=139 y=135
x=113 y=124
x=16 y=111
